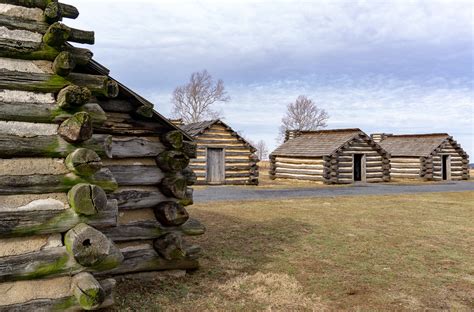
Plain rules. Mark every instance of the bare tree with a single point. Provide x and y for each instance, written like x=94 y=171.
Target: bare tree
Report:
x=302 y=115
x=193 y=101
x=262 y=150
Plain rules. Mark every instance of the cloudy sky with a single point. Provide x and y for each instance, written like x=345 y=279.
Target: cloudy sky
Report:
x=383 y=66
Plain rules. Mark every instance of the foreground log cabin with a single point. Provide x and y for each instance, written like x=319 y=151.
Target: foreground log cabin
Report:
x=93 y=181
x=330 y=156
x=434 y=156
x=223 y=156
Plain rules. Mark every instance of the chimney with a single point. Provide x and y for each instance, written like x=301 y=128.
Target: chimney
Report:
x=377 y=137
x=177 y=122
x=291 y=134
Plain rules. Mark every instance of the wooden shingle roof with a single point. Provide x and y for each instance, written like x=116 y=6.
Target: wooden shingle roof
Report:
x=414 y=145
x=317 y=143
x=197 y=128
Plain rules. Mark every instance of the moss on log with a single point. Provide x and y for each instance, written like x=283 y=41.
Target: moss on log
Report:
x=172 y=161
x=77 y=128
x=174 y=185
x=91 y=248
x=37 y=184
x=48 y=221
x=50 y=146
x=83 y=162
x=88 y=291
x=170 y=246
x=64 y=64
x=87 y=199
x=42 y=82
x=173 y=139
x=170 y=213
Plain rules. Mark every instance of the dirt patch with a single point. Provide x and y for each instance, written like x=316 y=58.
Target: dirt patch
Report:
x=275 y=292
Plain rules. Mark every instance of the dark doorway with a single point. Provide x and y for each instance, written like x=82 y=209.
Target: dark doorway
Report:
x=215 y=166
x=358 y=167
x=445 y=167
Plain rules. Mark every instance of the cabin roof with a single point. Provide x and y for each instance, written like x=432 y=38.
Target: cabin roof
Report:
x=316 y=143
x=197 y=128
x=96 y=68
x=416 y=145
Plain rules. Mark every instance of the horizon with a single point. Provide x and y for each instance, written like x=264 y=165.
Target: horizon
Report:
x=357 y=61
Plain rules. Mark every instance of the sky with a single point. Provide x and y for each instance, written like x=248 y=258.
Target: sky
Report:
x=382 y=66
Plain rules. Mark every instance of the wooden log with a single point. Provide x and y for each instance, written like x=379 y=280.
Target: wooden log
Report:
x=190 y=176
x=50 y=146
x=42 y=82
x=136 y=174
x=170 y=213
x=88 y=291
x=83 y=162
x=150 y=229
x=144 y=258
x=77 y=128
x=67 y=10
x=188 y=198
x=173 y=139
x=174 y=185
x=57 y=34
x=170 y=246
x=44 y=217
x=172 y=161
x=58 y=304
x=73 y=96
x=49 y=263
x=38 y=184
x=64 y=64
x=190 y=149
x=47 y=113
x=87 y=199
x=91 y=248
x=130 y=147
x=137 y=198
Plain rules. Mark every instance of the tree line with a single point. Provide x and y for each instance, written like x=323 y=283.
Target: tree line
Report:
x=196 y=101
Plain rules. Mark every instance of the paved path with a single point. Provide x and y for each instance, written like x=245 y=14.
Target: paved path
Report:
x=228 y=193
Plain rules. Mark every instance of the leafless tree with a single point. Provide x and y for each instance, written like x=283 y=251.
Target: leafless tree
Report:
x=303 y=114
x=262 y=150
x=193 y=101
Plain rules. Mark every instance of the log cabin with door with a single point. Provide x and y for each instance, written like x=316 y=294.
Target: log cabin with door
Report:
x=433 y=156
x=93 y=181
x=223 y=156
x=337 y=156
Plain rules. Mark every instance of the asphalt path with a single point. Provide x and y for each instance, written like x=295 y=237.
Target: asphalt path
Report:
x=229 y=193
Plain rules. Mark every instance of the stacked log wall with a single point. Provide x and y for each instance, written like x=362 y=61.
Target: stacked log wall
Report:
x=459 y=162
x=376 y=161
x=406 y=167
x=299 y=168
x=64 y=134
x=240 y=160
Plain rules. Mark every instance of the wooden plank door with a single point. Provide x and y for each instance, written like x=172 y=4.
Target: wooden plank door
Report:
x=215 y=172
x=359 y=168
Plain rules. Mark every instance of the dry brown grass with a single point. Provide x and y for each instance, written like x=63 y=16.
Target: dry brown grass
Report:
x=364 y=253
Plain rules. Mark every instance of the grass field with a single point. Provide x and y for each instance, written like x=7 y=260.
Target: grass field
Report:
x=365 y=253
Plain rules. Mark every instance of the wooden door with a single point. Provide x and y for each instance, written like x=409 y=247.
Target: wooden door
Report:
x=446 y=167
x=215 y=172
x=358 y=167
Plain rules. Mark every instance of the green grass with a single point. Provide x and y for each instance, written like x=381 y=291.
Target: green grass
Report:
x=362 y=253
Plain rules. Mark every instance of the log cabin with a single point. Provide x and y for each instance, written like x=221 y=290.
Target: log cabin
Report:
x=338 y=156
x=223 y=156
x=433 y=156
x=93 y=181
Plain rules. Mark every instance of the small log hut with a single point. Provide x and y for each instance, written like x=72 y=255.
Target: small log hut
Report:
x=223 y=156
x=433 y=156
x=93 y=181
x=337 y=156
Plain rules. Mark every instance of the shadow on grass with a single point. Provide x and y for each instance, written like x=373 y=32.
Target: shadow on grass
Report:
x=231 y=247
